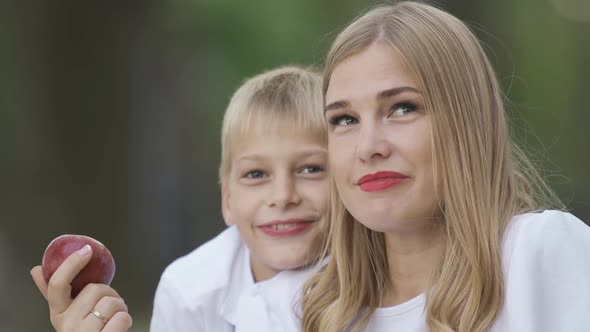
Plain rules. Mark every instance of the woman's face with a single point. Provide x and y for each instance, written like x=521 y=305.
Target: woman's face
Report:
x=380 y=149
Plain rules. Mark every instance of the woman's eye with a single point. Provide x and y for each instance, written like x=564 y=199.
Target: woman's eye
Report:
x=311 y=169
x=257 y=174
x=342 y=120
x=402 y=109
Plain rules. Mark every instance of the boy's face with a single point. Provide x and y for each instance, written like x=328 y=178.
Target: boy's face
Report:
x=277 y=196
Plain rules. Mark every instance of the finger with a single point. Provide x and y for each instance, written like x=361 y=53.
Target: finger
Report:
x=110 y=305
x=37 y=275
x=79 y=312
x=88 y=298
x=120 y=322
x=104 y=310
x=59 y=290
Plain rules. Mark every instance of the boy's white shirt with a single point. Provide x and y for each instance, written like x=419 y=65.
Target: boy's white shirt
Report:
x=201 y=291
x=212 y=289
x=546 y=264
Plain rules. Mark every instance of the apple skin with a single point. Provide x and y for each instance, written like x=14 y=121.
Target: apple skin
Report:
x=100 y=269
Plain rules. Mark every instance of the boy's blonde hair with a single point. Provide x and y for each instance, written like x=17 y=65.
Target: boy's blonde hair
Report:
x=287 y=98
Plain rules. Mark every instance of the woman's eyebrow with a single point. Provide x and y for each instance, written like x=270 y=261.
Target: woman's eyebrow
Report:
x=381 y=95
x=396 y=91
x=336 y=105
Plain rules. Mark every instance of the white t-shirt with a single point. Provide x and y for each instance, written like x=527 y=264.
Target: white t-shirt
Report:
x=546 y=264
x=212 y=290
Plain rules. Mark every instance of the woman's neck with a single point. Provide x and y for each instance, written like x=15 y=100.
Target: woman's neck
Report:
x=411 y=259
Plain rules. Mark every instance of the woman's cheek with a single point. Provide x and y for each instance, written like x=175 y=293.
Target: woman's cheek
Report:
x=340 y=146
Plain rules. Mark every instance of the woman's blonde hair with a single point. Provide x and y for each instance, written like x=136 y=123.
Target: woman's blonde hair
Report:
x=288 y=97
x=485 y=179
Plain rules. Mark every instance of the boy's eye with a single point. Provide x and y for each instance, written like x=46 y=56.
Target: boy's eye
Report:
x=257 y=174
x=402 y=109
x=311 y=169
x=342 y=120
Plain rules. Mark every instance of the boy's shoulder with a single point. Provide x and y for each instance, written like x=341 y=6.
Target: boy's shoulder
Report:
x=207 y=269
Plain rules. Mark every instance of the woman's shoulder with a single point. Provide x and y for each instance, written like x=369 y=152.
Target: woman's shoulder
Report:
x=546 y=240
x=549 y=227
x=546 y=264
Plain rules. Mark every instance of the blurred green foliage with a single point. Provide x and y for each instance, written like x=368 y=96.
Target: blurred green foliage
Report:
x=110 y=115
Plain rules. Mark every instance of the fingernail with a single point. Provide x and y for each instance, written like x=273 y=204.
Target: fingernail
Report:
x=84 y=251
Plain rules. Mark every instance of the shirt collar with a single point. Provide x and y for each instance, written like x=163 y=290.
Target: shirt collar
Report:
x=240 y=279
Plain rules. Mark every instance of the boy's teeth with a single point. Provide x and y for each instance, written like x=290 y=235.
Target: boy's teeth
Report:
x=277 y=227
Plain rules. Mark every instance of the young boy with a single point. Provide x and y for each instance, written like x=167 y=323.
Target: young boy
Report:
x=274 y=196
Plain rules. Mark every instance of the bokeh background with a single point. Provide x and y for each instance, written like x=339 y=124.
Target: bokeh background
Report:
x=110 y=114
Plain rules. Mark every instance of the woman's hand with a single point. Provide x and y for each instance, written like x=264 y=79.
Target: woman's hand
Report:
x=98 y=307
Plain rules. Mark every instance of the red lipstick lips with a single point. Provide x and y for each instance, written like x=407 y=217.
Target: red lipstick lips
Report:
x=381 y=181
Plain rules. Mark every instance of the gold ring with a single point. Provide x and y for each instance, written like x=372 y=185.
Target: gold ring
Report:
x=100 y=316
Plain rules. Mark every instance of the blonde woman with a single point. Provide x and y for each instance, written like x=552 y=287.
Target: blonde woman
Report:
x=438 y=221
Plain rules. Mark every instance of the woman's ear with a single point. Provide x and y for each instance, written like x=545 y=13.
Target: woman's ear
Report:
x=225 y=208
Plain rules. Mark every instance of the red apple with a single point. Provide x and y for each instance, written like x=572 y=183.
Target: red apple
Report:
x=100 y=269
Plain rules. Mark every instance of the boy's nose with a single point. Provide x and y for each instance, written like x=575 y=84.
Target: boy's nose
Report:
x=283 y=193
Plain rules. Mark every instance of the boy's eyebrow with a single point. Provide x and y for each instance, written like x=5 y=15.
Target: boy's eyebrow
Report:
x=253 y=157
x=300 y=154
x=311 y=153
x=381 y=95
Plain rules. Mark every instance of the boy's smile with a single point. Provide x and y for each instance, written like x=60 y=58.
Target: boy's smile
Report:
x=287 y=227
